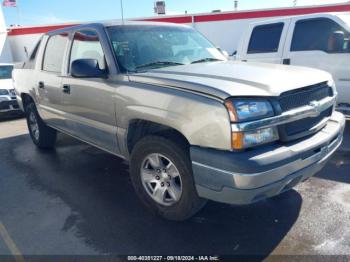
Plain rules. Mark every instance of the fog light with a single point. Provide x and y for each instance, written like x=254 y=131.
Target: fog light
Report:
x=241 y=140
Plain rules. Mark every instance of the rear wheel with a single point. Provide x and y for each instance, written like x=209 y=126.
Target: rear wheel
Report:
x=42 y=135
x=161 y=174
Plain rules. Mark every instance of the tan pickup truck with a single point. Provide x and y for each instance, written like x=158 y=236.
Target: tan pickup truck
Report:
x=193 y=125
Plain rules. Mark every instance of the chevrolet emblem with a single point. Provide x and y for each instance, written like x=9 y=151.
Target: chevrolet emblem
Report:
x=316 y=107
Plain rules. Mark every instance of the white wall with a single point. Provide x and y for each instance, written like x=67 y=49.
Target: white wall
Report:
x=19 y=42
x=5 y=51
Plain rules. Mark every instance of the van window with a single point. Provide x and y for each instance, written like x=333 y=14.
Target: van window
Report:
x=321 y=34
x=86 y=45
x=265 y=38
x=54 y=53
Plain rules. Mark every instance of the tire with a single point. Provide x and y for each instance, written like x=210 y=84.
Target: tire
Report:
x=172 y=205
x=42 y=135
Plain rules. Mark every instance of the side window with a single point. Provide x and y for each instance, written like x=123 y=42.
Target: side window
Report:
x=54 y=53
x=319 y=34
x=86 y=45
x=265 y=38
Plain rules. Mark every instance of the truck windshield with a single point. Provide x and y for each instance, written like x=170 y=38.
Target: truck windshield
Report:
x=6 y=72
x=139 y=48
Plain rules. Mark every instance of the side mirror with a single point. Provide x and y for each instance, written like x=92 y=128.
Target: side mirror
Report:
x=233 y=56
x=336 y=42
x=87 y=68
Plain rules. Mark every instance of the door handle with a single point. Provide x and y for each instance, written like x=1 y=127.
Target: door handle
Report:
x=41 y=85
x=66 y=89
x=286 y=61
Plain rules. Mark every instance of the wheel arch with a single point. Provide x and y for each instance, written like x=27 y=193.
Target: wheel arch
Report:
x=26 y=100
x=139 y=128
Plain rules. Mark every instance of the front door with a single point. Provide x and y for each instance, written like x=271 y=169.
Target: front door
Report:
x=89 y=102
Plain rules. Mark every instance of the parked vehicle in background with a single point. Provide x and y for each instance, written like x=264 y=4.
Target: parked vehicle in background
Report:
x=193 y=125
x=319 y=41
x=8 y=102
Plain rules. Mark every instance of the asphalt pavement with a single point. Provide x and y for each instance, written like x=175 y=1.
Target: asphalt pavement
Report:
x=78 y=200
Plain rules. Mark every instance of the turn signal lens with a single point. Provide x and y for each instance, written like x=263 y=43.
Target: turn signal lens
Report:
x=237 y=140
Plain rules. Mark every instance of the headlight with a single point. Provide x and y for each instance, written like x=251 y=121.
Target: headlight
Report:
x=4 y=92
x=243 y=110
x=248 y=109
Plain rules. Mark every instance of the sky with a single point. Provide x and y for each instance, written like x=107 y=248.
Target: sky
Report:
x=34 y=12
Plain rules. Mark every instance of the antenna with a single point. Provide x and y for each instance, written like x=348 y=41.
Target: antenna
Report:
x=122 y=10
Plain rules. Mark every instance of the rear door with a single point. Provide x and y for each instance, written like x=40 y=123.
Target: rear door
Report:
x=49 y=80
x=265 y=42
x=89 y=102
x=312 y=43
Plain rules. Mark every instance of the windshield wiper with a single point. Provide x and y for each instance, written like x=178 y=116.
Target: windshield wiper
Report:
x=158 y=63
x=207 y=59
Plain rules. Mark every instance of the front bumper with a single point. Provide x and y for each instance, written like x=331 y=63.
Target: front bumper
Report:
x=10 y=106
x=247 y=177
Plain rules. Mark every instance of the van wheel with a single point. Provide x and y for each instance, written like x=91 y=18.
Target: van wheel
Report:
x=42 y=135
x=161 y=174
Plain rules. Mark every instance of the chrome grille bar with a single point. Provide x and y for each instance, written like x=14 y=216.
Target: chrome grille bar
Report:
x=312 y=110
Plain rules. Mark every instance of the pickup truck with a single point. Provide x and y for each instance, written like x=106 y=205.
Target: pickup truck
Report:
x=8 y=102
x=320 y=41
x=193 y=125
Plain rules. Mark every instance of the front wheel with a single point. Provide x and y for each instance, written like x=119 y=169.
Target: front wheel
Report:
x=42 y=135
x=161 y=174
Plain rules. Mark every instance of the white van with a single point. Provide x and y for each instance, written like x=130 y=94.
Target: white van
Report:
x=318 y=40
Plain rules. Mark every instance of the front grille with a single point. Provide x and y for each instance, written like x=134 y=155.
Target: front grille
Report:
x=302 y=97
x=5 y=105
x=305 y=124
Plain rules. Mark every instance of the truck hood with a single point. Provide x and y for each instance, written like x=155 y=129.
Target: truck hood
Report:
x=6 y=84
x=233 y=78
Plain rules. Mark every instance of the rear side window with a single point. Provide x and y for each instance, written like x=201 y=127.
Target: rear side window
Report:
x=86 y=45
x=319 y=34
x=265 y=38
x=54 y=53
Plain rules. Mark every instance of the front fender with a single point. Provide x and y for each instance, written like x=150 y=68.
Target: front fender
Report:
x=202 y=120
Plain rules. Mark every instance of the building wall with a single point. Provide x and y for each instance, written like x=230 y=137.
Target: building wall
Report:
x=20 y=43
x=5 y=51
x=222 y=29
